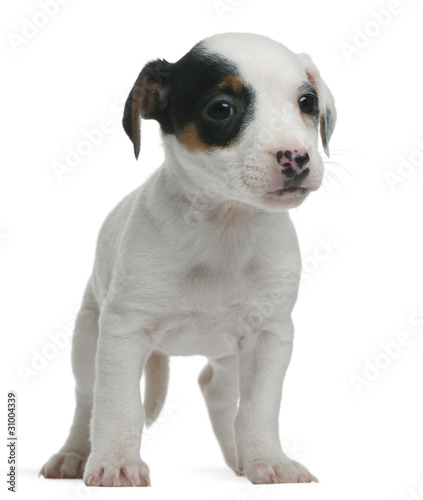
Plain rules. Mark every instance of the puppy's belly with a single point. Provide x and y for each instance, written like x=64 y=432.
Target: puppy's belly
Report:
x=193 y=333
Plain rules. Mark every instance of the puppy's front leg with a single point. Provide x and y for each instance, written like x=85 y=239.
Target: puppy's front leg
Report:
x=118 y=415
x=264 y=359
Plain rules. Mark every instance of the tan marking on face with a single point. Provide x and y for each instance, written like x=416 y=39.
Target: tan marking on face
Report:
x=232 y=84
x=190 y=139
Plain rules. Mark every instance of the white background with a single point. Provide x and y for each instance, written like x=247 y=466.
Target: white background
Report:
x=74 y=72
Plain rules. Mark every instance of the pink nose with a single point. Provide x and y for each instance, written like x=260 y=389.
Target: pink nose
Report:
x=292 y=162
x=294 y=159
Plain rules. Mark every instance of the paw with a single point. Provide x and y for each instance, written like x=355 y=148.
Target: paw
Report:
x=277 y=471
x=64 y=465
x=106 y=473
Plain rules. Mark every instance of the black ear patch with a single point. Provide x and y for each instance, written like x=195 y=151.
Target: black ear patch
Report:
x=148 y=99
x=178 y=96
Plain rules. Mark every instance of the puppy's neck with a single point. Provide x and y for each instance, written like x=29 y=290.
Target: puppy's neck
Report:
x=219 y=231
x=208 y=202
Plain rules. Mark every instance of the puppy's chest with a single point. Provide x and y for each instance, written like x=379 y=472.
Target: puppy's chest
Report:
x=213 y=311
x=199 y=332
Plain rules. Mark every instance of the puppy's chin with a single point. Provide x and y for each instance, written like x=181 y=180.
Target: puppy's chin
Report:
x=280 y=200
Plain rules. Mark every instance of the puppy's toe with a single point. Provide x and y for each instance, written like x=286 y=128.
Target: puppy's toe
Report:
x=277 y=471
x=293 y=472
x=104 y=473
x=64 y=465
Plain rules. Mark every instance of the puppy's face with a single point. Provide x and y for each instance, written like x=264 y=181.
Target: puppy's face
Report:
x=241 y=113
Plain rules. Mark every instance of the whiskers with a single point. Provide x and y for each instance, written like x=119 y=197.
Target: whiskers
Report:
x=231 y=179
x=334 y=169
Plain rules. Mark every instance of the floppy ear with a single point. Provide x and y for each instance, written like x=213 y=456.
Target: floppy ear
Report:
x=147 y=99
x=327 y=110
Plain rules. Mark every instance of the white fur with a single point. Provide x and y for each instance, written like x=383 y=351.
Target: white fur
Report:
x=199 y=260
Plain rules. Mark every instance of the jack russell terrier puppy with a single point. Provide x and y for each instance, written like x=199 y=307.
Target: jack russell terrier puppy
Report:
x=202 y=259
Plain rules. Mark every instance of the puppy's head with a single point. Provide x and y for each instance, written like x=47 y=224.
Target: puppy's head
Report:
x=240 y=111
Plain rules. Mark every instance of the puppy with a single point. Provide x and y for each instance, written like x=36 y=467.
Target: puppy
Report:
x=202 y=259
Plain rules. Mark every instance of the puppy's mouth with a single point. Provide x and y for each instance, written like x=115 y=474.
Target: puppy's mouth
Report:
x=281 y=192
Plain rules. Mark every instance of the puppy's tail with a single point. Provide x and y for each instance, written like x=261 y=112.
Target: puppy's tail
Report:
x=156 y=372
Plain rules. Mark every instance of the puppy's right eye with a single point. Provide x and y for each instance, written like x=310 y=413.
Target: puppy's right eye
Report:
x=220 y=110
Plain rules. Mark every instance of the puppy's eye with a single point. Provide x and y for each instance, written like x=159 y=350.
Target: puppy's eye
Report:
x=308 y=103
x=220 y=110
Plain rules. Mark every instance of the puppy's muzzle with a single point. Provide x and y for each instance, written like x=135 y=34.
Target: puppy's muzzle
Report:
x=292 y=163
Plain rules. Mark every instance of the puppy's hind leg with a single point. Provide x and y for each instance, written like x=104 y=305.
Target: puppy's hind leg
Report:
x=219 y=385
x=69 y=462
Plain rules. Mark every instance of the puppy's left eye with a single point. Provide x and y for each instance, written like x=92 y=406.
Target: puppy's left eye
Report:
x=308 y=104
x=220 y=110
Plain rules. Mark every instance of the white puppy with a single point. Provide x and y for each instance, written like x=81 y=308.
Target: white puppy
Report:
x=202 y=259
